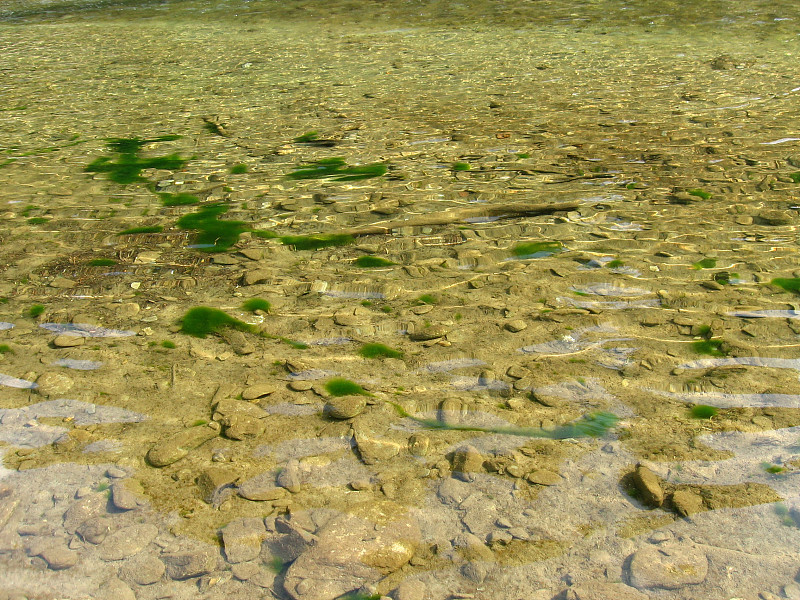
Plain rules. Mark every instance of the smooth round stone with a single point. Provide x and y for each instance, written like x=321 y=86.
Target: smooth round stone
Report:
x=54 y=384
x=300 y=385
x=544 y=477
x=68 y=341
x=345 y=407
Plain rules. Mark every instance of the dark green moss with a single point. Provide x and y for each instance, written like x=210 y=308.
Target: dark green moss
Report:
x=315 y=242
x=214 y=235
x=704 y=331
x=615 y=264
x=135 y=230
x=238 y=169
x=523 y=155
x=790 y=285
x=255 y=304
x=379 y=351
x=263 y=233
x=168 y=344
x=168 y=199
x=426 y=299
x=344 y=387
x=795 y=177
x=5 y=348
x=38 y=220
x=537 y=249
x=699 y=193
x=702 y=411
x=35 y=311
x=773 y=469
x=706 y=263
x=128 y=167
x=709 y=347
x=202 y=320
x=307 y=137
x=370 y=262
x=336 y=169
x=101 y=262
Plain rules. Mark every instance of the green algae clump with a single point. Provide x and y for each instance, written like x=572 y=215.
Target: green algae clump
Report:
x=315 y=242
x=702 y=411
x=202 y=320
x=255 y=304
x=336 y=169
x=344 y=387
x=214 y=235
x=371 y=262
x=788 y=284
x=379 y=351
x=710 y=347
x=537 y=249
x=135 y=230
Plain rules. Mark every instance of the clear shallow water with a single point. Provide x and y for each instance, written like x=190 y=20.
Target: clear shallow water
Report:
x=631 y=113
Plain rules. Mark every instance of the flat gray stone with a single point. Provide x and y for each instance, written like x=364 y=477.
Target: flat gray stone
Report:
x=345 y=407
x=143 y=569
x=176 y=447
x=94 y=530
x=601 y=590
x=127 y=541
x=88 y=507
x=57 y=556
x=183 y=565
x=242 y=539
x=262 y=488
x=668 y=566
x=352 y=550
x=128 y=495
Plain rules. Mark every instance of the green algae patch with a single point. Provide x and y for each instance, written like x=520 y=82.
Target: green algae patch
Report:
x=182 y=199
x=426 y=299
x=214 y=235
x=379 y=351
x=316 y=242
x=703 y=411
x=129 y=165
x=709 y=347
x=788 y=284
x=135 y=230
x=706 y=263
x=372 y=262
x=35 y=311
x=461 y=166
x=336 y=169
x=255 y=304
x=101 y=262
x=537 y=249
x=239 y=169
x=702 y=194
x=344 y=387
x=202 y=320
